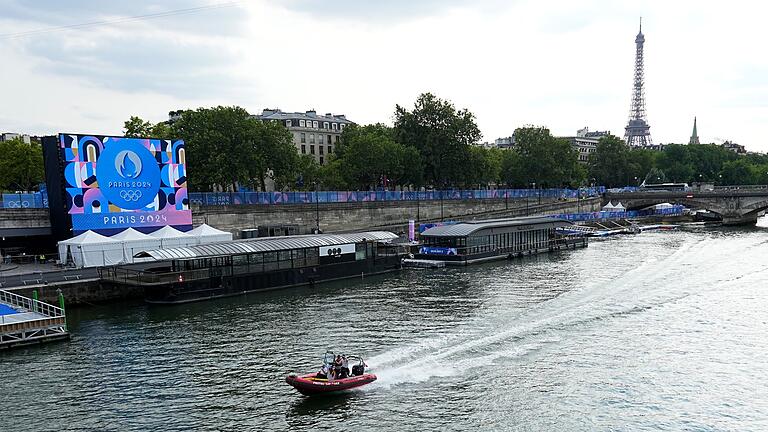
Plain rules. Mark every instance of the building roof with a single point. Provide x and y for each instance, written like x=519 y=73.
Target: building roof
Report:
x=464 y=229
x=266 y=244
x=276 y=114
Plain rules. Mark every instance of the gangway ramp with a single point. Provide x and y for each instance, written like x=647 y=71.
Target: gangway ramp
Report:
x=25 y=321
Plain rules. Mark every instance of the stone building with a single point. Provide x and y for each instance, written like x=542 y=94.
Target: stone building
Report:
x=585 y=142
x=313 y=134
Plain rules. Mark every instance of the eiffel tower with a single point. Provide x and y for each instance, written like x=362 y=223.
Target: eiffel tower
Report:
x=638 y=132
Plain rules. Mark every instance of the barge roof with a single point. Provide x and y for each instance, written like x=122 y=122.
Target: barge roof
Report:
x=464 y=229
x=264 y=244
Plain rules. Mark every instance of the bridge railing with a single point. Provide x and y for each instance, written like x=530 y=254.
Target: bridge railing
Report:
x=604 y=215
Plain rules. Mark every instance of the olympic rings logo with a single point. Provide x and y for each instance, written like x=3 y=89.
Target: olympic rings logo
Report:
x=17 y=204
x=130 y=195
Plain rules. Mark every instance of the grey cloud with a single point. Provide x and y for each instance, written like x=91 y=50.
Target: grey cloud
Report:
x=373 y=10
x=135 y=63
x=43 y=14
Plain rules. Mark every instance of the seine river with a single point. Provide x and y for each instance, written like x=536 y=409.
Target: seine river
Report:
x=658 y=331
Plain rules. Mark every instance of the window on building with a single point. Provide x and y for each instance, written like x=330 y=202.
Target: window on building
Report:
x=334 y=126
x=321 y=160
x=320 y=149
x=314 y=124
x=330 y=149
x=319 y=139
x=311 y=138
x=311 y=149
x=303 y=137
x=325 y=125
x=329 y=139
x=341 y=126
x=303 y=149
x=288 y=123
x=301 y=123
x=337 y=139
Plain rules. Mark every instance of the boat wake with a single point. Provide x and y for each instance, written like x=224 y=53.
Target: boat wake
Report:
x=487 y=339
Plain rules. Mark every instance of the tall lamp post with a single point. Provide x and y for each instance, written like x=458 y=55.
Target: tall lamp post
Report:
x=317 y=209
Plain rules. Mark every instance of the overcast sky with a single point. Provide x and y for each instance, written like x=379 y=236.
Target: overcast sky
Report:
x=564 y=64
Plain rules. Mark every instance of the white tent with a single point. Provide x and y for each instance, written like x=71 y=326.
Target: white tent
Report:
x=170 y=238
x=619 y=208
x=208 y=234
x=91 y=249
x=134 y=242
x=609 y=207
x=663 y=206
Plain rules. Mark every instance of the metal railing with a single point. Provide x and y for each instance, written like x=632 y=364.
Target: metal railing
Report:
x=24 y=200
x=27 y=304
x=271 y=198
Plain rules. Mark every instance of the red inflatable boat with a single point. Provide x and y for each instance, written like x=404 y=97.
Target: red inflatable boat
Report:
x=340 y=380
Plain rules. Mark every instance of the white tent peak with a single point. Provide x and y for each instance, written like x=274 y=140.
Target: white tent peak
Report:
x=205 y=229
x=208 y=234
x=130 y=234
x=89 y=237
x=168 y=232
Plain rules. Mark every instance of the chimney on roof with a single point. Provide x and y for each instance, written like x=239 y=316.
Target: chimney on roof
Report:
x=311 y=113
x=328 y=115
x=340 y=116
x=270 y=111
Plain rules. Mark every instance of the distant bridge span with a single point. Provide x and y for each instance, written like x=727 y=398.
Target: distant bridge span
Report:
x=737 y=205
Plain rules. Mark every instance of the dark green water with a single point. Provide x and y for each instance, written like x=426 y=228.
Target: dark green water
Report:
x=659 y=331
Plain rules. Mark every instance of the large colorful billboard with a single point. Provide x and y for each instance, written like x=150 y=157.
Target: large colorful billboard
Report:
x=112 y=183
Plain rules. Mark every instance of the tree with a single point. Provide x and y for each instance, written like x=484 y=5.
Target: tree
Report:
x=368 y=156
x=21 y=165
x=135 y=127
x=511 y=169
x=675 y=161
x=547 y=160
x=740 y=172
x=441 y=134
x=226 y=146
x=610 y=164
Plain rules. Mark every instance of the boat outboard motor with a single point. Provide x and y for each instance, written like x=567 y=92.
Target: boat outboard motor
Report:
x=358 y=369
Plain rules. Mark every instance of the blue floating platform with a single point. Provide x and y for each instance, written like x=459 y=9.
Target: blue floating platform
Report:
x=7 y=310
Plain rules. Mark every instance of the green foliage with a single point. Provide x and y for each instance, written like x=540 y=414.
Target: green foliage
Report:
x=546 y=160
x=742 y=172
x=368 y=154
x=441 y=134
x=21 y=165
x=135 y=127
x=610 y=165
x=225 y=146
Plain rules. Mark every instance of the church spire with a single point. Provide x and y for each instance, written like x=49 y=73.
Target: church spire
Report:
x=694 y=134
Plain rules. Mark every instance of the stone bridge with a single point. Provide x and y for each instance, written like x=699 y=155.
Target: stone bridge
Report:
x=737 y=205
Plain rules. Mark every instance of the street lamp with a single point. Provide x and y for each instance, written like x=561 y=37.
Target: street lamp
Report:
x=317 y=209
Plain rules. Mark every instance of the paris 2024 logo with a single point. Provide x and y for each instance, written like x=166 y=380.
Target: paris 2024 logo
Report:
x=128 y=174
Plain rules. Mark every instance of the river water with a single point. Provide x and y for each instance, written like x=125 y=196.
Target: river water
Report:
x=658 y=331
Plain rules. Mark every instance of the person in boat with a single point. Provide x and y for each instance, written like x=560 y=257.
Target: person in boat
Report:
x=323 y=372
x=344 y=367
x=337 y=363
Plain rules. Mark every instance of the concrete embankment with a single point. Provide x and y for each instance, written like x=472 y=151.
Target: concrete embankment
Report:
x=81 y=292
x=358 y=216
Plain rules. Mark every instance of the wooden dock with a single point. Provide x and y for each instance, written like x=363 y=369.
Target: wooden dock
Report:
x=26 y=321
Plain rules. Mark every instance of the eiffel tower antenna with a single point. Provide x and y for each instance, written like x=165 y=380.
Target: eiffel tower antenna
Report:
x=638 y=131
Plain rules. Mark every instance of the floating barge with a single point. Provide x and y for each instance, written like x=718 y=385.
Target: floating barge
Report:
x=26 y=321
x=487 y=240
x=223 y=269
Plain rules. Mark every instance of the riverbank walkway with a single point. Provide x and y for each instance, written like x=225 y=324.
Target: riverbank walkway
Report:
x=25 y=321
